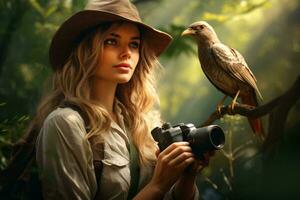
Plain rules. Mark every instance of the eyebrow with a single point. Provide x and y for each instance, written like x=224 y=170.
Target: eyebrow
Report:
x=118 y=36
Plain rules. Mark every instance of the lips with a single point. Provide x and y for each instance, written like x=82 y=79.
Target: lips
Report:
x=123 y=68
x=123 y=65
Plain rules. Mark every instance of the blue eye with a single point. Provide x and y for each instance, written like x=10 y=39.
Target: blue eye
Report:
x=110 y=41
x=134 y=45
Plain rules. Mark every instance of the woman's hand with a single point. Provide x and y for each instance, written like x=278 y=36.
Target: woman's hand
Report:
x=171 y=164
x=198 y=165
x=185 y=186
x=176 y=164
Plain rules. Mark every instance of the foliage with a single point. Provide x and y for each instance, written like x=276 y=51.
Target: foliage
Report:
x=239 y=156
x=10 y=131
x=178 y=46
x=233 y=9
x=266 y=32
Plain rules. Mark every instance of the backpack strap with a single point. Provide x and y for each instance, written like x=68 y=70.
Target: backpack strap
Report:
x=98 y=156
x=134 y=171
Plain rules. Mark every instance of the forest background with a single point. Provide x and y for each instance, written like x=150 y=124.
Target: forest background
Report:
x=266 y=32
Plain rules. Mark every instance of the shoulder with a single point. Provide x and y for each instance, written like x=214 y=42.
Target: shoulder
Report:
x=64 y=114
x=64 y=119
x=220 y=48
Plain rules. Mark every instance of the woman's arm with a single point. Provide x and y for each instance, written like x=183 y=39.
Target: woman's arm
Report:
x=176 y=166
x=185 y=187
x=171 y=164
x=64 y=157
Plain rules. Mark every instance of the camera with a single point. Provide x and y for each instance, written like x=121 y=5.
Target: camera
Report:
x=201 y=140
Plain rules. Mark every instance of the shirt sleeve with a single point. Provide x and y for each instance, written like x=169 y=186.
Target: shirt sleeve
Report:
x=65 y=158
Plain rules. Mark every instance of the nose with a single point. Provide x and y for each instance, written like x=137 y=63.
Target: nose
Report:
x=125 y=52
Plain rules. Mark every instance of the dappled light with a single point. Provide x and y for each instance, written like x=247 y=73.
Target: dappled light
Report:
x=266 y=32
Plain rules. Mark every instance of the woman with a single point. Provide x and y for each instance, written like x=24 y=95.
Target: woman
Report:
x=99 y=111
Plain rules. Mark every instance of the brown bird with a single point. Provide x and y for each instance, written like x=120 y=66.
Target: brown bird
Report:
x=226 y=69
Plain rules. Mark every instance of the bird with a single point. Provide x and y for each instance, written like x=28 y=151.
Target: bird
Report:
x=226 y=69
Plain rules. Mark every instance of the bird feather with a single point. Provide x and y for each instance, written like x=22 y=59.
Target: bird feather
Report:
x=232 y=62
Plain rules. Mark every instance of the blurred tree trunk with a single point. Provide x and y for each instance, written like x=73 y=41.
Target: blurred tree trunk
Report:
x=17 y=11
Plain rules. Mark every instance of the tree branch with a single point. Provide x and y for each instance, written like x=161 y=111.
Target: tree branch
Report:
x=278 y=109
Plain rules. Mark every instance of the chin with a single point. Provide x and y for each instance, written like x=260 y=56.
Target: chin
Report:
x=121 y=78
x=122 y=81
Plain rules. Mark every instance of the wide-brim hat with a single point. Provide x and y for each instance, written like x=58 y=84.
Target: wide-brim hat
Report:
x=95 y=13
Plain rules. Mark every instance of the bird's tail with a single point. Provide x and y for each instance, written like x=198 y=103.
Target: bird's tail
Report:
x=255 y=123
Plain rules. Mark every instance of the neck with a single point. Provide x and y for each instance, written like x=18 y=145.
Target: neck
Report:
x=103 y=93
x=207 y=41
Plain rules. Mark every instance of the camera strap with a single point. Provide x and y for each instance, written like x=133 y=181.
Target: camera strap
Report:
x=134 y=171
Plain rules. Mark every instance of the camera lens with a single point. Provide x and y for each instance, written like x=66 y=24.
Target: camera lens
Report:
x=206 y=138
x=217 y=137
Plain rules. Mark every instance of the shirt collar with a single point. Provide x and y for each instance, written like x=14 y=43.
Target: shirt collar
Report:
x=120 y=127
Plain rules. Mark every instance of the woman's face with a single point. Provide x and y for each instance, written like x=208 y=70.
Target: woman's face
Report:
x=120 y=53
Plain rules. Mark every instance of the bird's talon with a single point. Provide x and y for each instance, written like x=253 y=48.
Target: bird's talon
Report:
x=219 y=110
x=231 y=109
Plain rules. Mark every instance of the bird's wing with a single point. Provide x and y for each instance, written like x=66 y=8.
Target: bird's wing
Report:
x=232 y=62
x=243 y=62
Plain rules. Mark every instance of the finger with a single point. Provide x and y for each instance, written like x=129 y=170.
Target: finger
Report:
x=172 y=147
x=175 y=153
x=178 y=151
x=186 y=163
x=181 y=158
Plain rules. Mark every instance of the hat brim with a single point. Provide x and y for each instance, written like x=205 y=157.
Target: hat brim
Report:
x=65 y=38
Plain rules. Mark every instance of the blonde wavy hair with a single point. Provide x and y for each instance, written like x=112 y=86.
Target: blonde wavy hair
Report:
x=72 y=83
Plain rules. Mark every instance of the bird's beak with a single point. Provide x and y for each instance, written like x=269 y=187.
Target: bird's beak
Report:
x=188 y=31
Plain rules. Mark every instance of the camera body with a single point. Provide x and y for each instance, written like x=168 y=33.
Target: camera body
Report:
x=201 y=140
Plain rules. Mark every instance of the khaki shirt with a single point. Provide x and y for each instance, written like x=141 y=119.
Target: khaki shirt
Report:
x=65 y=159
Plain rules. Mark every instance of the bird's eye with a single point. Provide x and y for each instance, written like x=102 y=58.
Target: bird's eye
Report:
x=201 y=27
